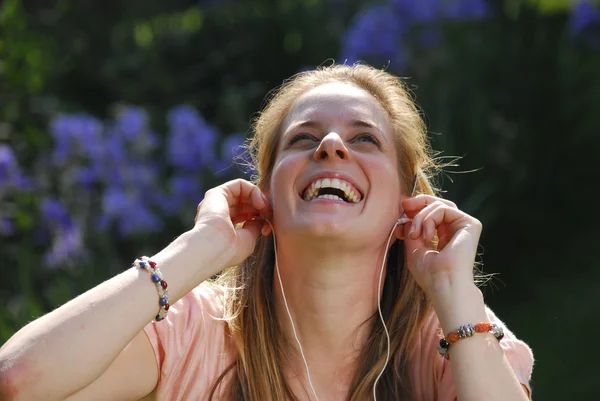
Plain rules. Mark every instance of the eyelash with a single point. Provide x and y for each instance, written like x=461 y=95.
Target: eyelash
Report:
x=358 y=137
x=371 y=138
x=299 y=137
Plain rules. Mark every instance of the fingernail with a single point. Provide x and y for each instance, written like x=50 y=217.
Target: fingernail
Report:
x=412 y=232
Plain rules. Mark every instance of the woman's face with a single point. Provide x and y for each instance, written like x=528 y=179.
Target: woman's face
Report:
x=336 y=169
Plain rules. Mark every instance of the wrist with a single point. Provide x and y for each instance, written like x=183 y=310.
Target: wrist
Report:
x=193 y=257
x=459 y=305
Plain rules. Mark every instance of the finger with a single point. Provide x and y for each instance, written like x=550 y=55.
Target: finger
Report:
x=265 y=211
x=428 y=230
x=412 y=244
x=443 y=236
x=416 y=229
x=235 y=192
x=238 y=195
x=242 y=217
x=250 y=231
x=446 y=220
x=242 y=208
x=238 y=190
x=443 y=214
x=413 y=205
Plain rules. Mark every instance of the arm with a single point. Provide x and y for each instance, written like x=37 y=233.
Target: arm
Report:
x=78 y=349
x=66 y=350
x=480 y=368
x=444 y=270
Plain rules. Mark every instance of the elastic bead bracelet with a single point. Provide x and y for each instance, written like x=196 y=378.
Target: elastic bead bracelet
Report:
x=145 y=263
x=467 y=331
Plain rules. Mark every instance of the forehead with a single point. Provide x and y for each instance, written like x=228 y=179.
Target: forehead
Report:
x=337 y=102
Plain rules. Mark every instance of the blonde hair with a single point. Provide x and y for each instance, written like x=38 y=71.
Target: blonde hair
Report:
x=257 y=374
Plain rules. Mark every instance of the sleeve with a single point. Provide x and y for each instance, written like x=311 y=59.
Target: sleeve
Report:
x=439 y=381
x=185 y=342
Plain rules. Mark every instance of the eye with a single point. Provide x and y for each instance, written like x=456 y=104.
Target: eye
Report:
x=301 y=137
x=365 y=137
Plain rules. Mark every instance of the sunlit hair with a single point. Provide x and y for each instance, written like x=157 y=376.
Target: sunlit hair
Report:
x=247 y=289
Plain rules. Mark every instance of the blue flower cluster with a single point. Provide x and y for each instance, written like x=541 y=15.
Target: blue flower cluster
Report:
x=11 y=179
x=116 y=175
x=10 y=173
x=585 y=18
x=379 y=31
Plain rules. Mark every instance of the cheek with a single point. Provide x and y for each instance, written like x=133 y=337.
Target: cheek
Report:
x=385 y=181
x=285 y=173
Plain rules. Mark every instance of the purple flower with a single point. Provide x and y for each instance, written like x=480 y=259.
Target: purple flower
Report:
x=10 y=173
x=585 y=15
x=129 y=211
x=55 y=214
x=115 y=147
x=139 y=218
x=66 y=246
x=8 y=164
x=428 y=11
x=144 y=174
x=232 y=147
x=77 y=134
x=186 y=187
x=191 y=141
x=89 y=175
x=417 y=11
x=114 y=201
x=234 y=152
x=7 y=226
x=465 y=9
x=132 y=123
x=375 y=33
x=166 y=203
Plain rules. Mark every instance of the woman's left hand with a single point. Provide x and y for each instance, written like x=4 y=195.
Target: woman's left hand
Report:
x=450 y=264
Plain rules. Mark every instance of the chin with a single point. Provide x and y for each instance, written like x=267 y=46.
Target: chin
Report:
x=324 y=228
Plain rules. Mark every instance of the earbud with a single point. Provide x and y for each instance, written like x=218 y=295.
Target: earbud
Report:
x=404 y=219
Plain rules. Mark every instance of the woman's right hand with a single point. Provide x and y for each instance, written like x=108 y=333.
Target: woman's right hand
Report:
x=226 y=206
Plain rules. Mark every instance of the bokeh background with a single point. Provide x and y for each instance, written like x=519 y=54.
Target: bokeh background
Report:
x=117 y=116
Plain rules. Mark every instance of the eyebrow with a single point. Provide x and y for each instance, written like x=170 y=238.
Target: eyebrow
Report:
x=352 y=124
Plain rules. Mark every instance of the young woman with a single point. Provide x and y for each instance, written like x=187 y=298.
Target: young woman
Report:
x=342 y=284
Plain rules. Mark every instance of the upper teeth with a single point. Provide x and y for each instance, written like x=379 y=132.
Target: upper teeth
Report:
x=313 y=189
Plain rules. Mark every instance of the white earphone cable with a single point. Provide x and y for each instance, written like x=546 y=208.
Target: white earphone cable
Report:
x=387 y=333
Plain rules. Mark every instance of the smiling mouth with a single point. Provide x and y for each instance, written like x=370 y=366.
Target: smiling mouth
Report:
x=333 y=189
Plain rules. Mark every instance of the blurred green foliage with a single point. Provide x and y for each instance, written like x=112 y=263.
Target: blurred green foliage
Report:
x=516 y=96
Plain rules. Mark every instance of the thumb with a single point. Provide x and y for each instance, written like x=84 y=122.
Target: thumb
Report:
x=248 y=234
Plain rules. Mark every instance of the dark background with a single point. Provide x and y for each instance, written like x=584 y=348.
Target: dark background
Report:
x=116 y=117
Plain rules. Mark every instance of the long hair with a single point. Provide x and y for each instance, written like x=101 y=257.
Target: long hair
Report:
x=248 y=298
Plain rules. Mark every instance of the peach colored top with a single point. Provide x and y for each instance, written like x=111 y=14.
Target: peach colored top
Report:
x=192 y=351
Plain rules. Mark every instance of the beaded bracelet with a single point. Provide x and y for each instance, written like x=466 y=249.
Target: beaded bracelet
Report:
x=161 y=285
x=467 y=331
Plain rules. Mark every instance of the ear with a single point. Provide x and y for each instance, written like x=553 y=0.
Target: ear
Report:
x=267 y=193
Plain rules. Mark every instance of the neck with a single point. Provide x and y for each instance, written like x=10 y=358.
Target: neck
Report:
x=332 y=298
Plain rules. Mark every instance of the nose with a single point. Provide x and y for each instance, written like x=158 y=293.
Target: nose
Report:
x=331 y=147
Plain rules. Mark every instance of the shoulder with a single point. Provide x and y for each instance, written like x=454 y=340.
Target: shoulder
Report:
x=190 y=345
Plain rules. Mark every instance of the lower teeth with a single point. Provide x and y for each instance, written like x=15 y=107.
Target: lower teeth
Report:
x=332 y=197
